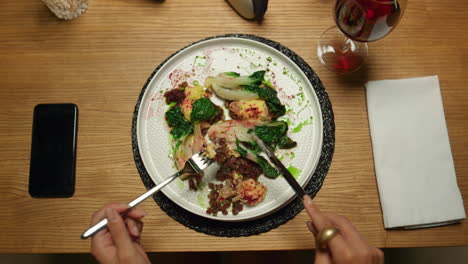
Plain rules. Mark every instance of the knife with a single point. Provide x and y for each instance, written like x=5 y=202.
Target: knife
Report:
x=286 y=174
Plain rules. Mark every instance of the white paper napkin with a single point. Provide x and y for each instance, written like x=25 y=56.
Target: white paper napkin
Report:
x=413 y=161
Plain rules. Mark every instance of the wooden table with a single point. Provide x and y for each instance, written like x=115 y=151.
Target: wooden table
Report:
x=101 y=61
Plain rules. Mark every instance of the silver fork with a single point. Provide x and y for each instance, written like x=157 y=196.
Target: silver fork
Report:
x=196 y=164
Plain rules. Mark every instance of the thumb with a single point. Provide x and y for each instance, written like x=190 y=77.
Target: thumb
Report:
x=118 y=230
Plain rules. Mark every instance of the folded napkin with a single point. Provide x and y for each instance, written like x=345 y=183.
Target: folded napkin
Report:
x=413 y=161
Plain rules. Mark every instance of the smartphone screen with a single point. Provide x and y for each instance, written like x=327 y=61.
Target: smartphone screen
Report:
x=53 y=150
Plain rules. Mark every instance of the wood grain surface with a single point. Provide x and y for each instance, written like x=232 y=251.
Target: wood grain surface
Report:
x=101 y=60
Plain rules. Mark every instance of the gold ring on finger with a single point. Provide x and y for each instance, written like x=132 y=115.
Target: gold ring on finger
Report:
x=325 y=235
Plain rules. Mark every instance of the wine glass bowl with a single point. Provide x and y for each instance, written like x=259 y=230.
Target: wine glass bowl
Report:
x=343 y=48
x=339 y=53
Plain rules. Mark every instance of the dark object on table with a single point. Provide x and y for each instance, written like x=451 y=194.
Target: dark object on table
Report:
x=250 y=9
x=53 y=150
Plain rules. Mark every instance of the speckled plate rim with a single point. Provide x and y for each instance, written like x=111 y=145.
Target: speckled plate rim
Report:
x=270 y=221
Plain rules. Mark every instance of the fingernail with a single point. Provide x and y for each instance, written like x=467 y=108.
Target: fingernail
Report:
x=144 y=213
x=135 y=230
x=111 y=215
x=308 y=200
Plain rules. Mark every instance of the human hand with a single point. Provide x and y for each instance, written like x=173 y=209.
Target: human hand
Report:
x=347 y=247
x=119 y=243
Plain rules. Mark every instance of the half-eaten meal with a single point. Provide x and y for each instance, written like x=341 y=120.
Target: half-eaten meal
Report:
x=197 y=124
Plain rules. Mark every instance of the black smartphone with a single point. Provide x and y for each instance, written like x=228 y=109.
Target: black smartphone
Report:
x=53 y=150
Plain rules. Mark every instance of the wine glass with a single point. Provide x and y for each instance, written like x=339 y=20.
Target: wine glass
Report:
x=360 y=21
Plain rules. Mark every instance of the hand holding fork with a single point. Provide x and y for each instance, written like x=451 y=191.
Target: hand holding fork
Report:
x=196 y=164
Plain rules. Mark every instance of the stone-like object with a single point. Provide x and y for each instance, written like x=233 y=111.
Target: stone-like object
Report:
x=67 y=9
x=250 y=9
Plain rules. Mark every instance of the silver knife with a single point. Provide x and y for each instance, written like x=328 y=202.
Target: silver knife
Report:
x=286 y=174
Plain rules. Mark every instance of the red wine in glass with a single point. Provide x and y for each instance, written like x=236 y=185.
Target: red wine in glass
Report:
x=364 y=20
x=360 y=21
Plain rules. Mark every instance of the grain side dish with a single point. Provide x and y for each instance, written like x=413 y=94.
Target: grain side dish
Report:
x=197 y=124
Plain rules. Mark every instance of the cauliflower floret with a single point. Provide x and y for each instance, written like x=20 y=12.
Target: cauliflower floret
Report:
x=252 y=192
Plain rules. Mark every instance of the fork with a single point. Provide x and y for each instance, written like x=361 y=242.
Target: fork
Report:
x=196 y=164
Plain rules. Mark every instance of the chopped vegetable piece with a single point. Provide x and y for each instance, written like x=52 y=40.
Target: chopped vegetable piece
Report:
x=271 y=99
x=249 y=109
x=232 y=80
x=241 y=151
x=268 y=170
x=252 y=146
x=232 y=74
x=203 y=109
x=232 y=94
x=274 y=135
x=180 y=126
x=257 y=76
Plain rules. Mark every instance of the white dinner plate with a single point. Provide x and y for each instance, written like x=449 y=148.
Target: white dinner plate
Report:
x=208 y=58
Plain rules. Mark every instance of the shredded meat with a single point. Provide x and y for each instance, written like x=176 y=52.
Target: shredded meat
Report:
x=217 y=203
x=243 y=166
x=183 y=85
x=174 y=95
x=194 y=181
x=222 y=152
x=232 y=187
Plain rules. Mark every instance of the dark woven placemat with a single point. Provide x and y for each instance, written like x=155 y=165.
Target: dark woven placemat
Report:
x=273 y=220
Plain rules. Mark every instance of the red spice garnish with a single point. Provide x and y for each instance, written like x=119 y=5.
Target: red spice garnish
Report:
x=253 y=112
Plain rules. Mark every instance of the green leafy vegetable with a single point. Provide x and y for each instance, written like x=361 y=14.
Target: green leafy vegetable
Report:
x=268 y=83
x=286 y=143
x=243 y=147
x=274 y=135
x=277 y=109
x=268 y=170
x=232 y=80
x=176 y=147
x=271 y=99
x=203 y=109
x=239 y=149
x=252 y=146
x=180 y=126
x=232 y=74
x=256 y=77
